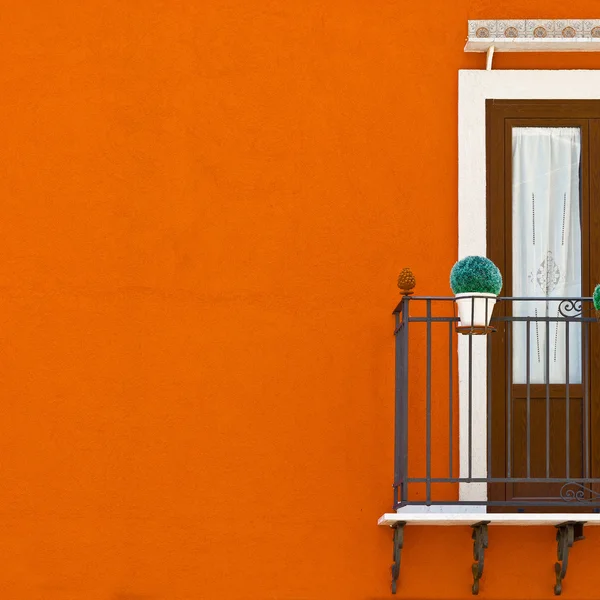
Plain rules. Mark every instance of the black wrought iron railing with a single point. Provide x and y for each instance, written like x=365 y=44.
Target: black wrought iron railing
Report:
x=504 y=419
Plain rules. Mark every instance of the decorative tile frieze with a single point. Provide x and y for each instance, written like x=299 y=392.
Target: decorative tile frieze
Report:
x=535 y=28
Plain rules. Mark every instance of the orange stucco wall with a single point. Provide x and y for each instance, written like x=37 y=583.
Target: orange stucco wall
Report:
x=205 y=205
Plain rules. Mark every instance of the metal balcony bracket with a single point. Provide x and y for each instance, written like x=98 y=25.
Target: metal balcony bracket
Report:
x=398 y=545
x=480 y=543
x=566 y=535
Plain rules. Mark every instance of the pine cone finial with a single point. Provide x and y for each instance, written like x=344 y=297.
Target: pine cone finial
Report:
x=406 y=282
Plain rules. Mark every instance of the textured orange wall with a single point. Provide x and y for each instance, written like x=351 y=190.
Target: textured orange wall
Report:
x=205 y=205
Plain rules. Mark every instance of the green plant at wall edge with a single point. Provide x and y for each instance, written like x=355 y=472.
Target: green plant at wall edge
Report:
x=476 y=274
x=596 y=297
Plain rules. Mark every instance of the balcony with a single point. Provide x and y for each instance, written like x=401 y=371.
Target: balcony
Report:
x=502 y=422
x=497 y=425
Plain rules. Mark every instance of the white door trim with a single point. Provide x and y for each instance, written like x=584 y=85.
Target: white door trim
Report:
x=474 y=88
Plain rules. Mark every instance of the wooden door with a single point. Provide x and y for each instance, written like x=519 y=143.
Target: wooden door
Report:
x=542 y=428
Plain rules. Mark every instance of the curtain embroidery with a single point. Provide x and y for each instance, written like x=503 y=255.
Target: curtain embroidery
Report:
x=533 y=217
x=556 y=334
x=564 y=217
x=548 y=274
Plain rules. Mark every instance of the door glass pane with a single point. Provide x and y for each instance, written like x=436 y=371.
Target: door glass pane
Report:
x=546 y=248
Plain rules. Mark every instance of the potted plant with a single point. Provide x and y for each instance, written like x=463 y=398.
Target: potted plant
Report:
x=476 y=282
x=596 y=301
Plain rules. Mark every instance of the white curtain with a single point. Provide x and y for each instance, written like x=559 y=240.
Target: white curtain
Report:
x=546 y=248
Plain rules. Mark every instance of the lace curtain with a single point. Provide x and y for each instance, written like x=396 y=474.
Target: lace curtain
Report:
x=546 y=239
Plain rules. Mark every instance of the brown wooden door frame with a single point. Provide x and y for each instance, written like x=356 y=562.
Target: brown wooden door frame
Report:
x=501 y=117
x=594 y=364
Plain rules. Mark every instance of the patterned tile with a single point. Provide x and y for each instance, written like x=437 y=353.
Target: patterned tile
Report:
x=591 y=28
x=539 y=28
x=535 y=28
x=482 y=29
x=510 y=29
x=568 y=28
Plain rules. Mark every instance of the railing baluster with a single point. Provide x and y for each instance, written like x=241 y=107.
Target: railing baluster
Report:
x=428 y=408
x=450 y=398
x=508 y=399
x=470 y=411
x=567 y=403
x=488 y=383
x=547 y=379
x=528 y=382
x=586 y=406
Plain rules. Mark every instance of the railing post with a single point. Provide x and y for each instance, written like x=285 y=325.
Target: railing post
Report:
x=405 y=308
x=397 y=405
x=401 y=405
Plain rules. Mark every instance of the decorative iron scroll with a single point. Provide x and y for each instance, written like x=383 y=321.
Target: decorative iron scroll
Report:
x=577 y=492
x=570 y=309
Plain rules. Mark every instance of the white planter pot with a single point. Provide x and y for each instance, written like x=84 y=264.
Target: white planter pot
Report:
x=472 y=305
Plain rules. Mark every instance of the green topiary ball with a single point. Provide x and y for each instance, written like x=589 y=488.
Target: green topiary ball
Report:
x=475 y=274
x=596 y=297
